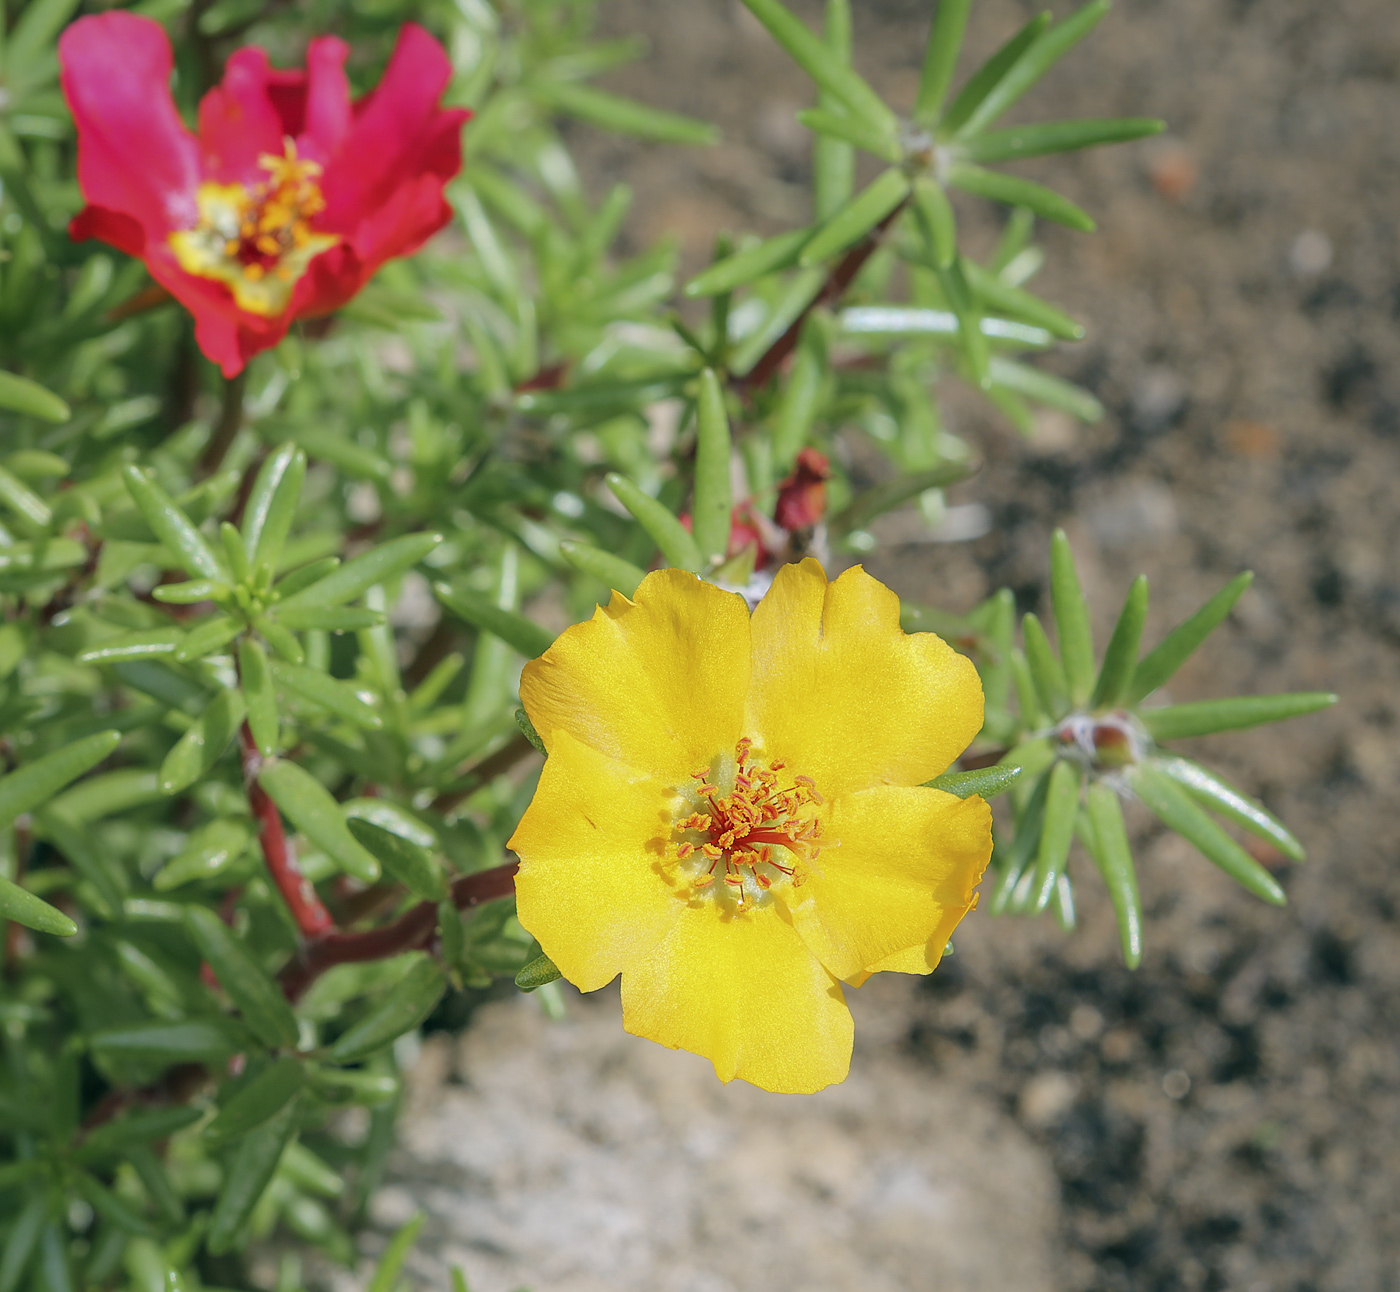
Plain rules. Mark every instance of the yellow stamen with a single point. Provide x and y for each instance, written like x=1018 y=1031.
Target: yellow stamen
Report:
x=258 y=240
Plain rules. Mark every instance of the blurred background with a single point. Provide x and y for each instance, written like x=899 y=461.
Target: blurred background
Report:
x=1034 y=1116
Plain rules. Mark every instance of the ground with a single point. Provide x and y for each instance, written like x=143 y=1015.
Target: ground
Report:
x=1227 y=1117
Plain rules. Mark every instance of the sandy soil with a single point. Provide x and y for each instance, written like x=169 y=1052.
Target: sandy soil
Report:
x=1229 y=1116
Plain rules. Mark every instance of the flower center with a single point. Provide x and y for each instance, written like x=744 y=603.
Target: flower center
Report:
x=761 y=833
x=258 y=240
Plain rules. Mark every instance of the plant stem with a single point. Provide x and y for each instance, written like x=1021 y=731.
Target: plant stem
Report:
x=410 y=932
x=830 y=292
x=229 y=424
x=311 y=916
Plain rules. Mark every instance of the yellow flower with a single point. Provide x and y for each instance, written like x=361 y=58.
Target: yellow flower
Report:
x=733 y=817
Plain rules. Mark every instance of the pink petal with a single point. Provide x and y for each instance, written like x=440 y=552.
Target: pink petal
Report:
x=398 y=133
x=135 y=156
x=237 y=122
x=327 y=112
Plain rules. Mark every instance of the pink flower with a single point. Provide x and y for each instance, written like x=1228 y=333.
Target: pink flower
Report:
x=290 y=197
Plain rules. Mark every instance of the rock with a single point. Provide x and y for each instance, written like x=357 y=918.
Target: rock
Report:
x=572 y=1157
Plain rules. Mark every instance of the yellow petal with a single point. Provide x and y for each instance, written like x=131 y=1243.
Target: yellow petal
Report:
x=747 y=994
x=658 y=682
x=592 y=887
x=844 y=695
x=910 y=960
x=892 y=893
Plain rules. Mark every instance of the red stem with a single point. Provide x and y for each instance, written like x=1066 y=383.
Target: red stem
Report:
x=831 y=291
x=311 y=916
x=410 y=932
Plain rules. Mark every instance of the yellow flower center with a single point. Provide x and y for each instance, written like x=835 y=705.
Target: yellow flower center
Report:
x=761 y=833
x=258 y=240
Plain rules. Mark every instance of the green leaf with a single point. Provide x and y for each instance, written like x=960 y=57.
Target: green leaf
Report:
x=1057 y=833
x=675 y=543
x=1178 y=811
x=801 y=394
x=824 y=66
x=190 y=593
x=111 y=1208
x=23 y=501
x=235 y=553
x=940 y=58
x=94 y=864
x=207 y=638
x=108 y=794
x=203 y=744
x=850 y=130
x=29 y=43
x=257 y=997
x=935 y=216
x=326 y=692
x=258 y=1100
x=21 y=906
x=208 y=852
x=272 y=506
x=356 y=1084
x=54 y=1261
x=1057 y=136
x=1015 y=191
x=155 y=1179
x=310 y=1174
x=20 y=395
x=627 y=116
x=1071 y=620
x=518 y=632
x=190 y=1041
x=742 y=267
x=386 y=1273
x=1046 y=388
x=309 y=806
x=953 y=283
x=408 y=862
x=354 y=578
x=1179 y=644
x=527 y=728
x=985 y=781
x=22 y=1240
x=172 y=527
x=538 y=972
x=1107 y=839
x=330 y=619
x=610 y=570
x=34 y=784
x=1037 y=59
x=854 y=220
x=834 y=161
x=305 y=576
x=866 y=506
x=1179 y=721
x=251 y=1172
x=141 y=1126
x=1047 y=672
x=710 y=512
x=259 y=695
x=1029 y=823
x=1001 y=296
x=1216 y=793
x=986 y=77
x=1120 y=658
x=151 y=644
x=404 y=1006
